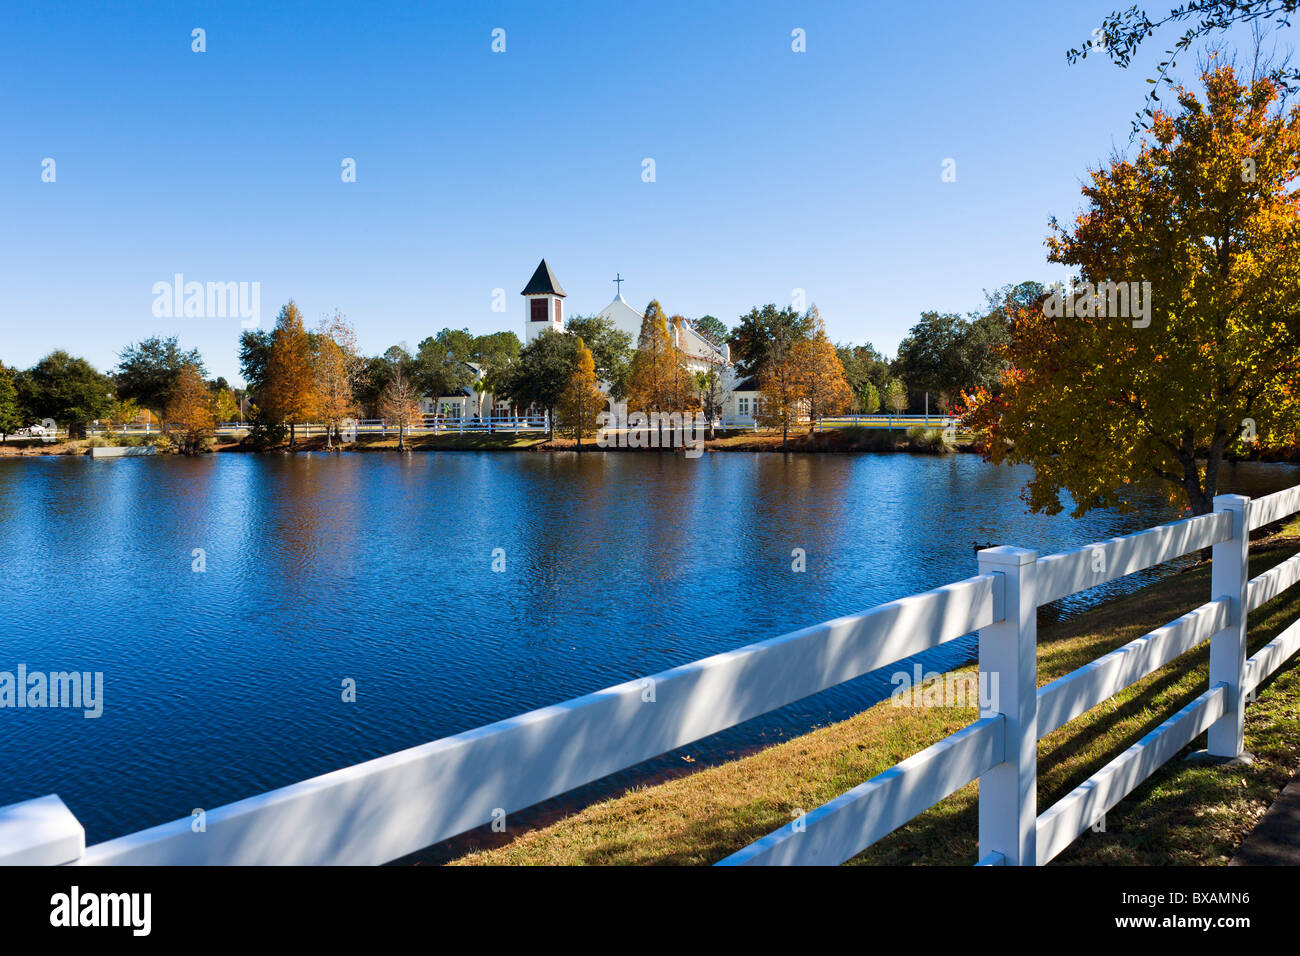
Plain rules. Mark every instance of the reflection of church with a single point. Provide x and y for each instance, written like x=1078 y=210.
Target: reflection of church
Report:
x=544 y=309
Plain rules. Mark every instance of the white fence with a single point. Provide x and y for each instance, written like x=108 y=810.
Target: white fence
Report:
x=425 y=425
x=444 y=425
x=382 y=809
x=887 y=421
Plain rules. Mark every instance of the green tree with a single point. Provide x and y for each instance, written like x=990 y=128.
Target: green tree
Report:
x=67 y=389
x=148 y=371
x=255 y=359
x=930 y=357
x=543 y=372
x=11 y=418
x=763 y=331
x=711 y=329
x=495 y=353
x=611 y=349
x=439 y=367
x=869 y=398
x=895 y=396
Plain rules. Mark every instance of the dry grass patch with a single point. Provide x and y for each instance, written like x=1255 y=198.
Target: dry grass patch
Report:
x=1183 y=814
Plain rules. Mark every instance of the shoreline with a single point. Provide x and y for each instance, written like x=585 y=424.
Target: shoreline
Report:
x=832 y=441
x=804 y=443
x=699 y=817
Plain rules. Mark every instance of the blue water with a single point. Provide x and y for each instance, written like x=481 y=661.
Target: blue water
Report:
x=378 y=568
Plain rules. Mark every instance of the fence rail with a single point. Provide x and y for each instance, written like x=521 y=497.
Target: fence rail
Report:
x=385 y=808
x=442 y=424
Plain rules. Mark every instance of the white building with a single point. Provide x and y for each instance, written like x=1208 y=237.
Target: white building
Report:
x=544 y=309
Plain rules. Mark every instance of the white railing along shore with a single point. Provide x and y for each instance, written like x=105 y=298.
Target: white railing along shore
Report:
x=443 y=425
x=385 y=808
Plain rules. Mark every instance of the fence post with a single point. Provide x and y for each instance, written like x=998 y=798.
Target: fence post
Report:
x=1008 y=793
x=1228 y=578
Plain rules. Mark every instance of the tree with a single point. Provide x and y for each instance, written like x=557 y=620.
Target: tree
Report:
x=895 y=396
x=375 y=373
x=439 y=367
x=711 y=329
x=983 y=347
x=495 y=353
x=68 y=390
x=10 y=415
x=821 y=373
x=189 y=413
x=762 y=331
x=656 y=377
x=225 y=405
x=715 y=389
x=781 y=386
x=856 y=373
x=290 y=395
x=582 y=398
x=930 y=359
x=399 y=402
x=148 y=371
x=255 y=358
x=611 y=349
x=1121 y=34
x=1185 y=331
x=337 y=368
x=869 y=398
x=542 y=373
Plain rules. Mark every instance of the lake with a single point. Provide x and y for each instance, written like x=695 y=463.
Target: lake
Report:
x=379 y=568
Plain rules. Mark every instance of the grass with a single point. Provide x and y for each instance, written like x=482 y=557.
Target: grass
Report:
x=1182 y=814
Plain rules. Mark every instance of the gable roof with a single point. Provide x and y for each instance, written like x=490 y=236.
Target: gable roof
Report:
x=543 y=282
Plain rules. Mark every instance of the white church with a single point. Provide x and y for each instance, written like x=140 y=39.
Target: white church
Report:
x=544 y=309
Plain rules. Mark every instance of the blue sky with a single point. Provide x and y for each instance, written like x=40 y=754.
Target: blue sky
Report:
x=774 y=170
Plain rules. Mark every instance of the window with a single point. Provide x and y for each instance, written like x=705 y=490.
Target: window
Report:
x=742 y=406
x=537 y=310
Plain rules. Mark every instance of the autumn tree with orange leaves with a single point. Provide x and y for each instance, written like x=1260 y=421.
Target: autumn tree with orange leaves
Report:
x=821 y=372
x=291 y=396
x=191 y=418
x=582 y=400
x=337 y=369
x=1099 y=396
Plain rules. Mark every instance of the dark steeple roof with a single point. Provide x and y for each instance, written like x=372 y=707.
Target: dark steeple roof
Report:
x=543 y=282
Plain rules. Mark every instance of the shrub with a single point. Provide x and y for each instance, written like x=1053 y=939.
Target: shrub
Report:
x=929 y=440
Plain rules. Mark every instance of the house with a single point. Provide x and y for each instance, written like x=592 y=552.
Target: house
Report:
x=472 y=401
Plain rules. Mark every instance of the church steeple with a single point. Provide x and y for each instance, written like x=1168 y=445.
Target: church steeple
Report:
x=543 y=303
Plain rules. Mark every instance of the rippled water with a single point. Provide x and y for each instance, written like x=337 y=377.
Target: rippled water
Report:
x=377 y=567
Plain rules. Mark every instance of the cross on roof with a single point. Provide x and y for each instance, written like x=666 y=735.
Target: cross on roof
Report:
x=618 y=281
